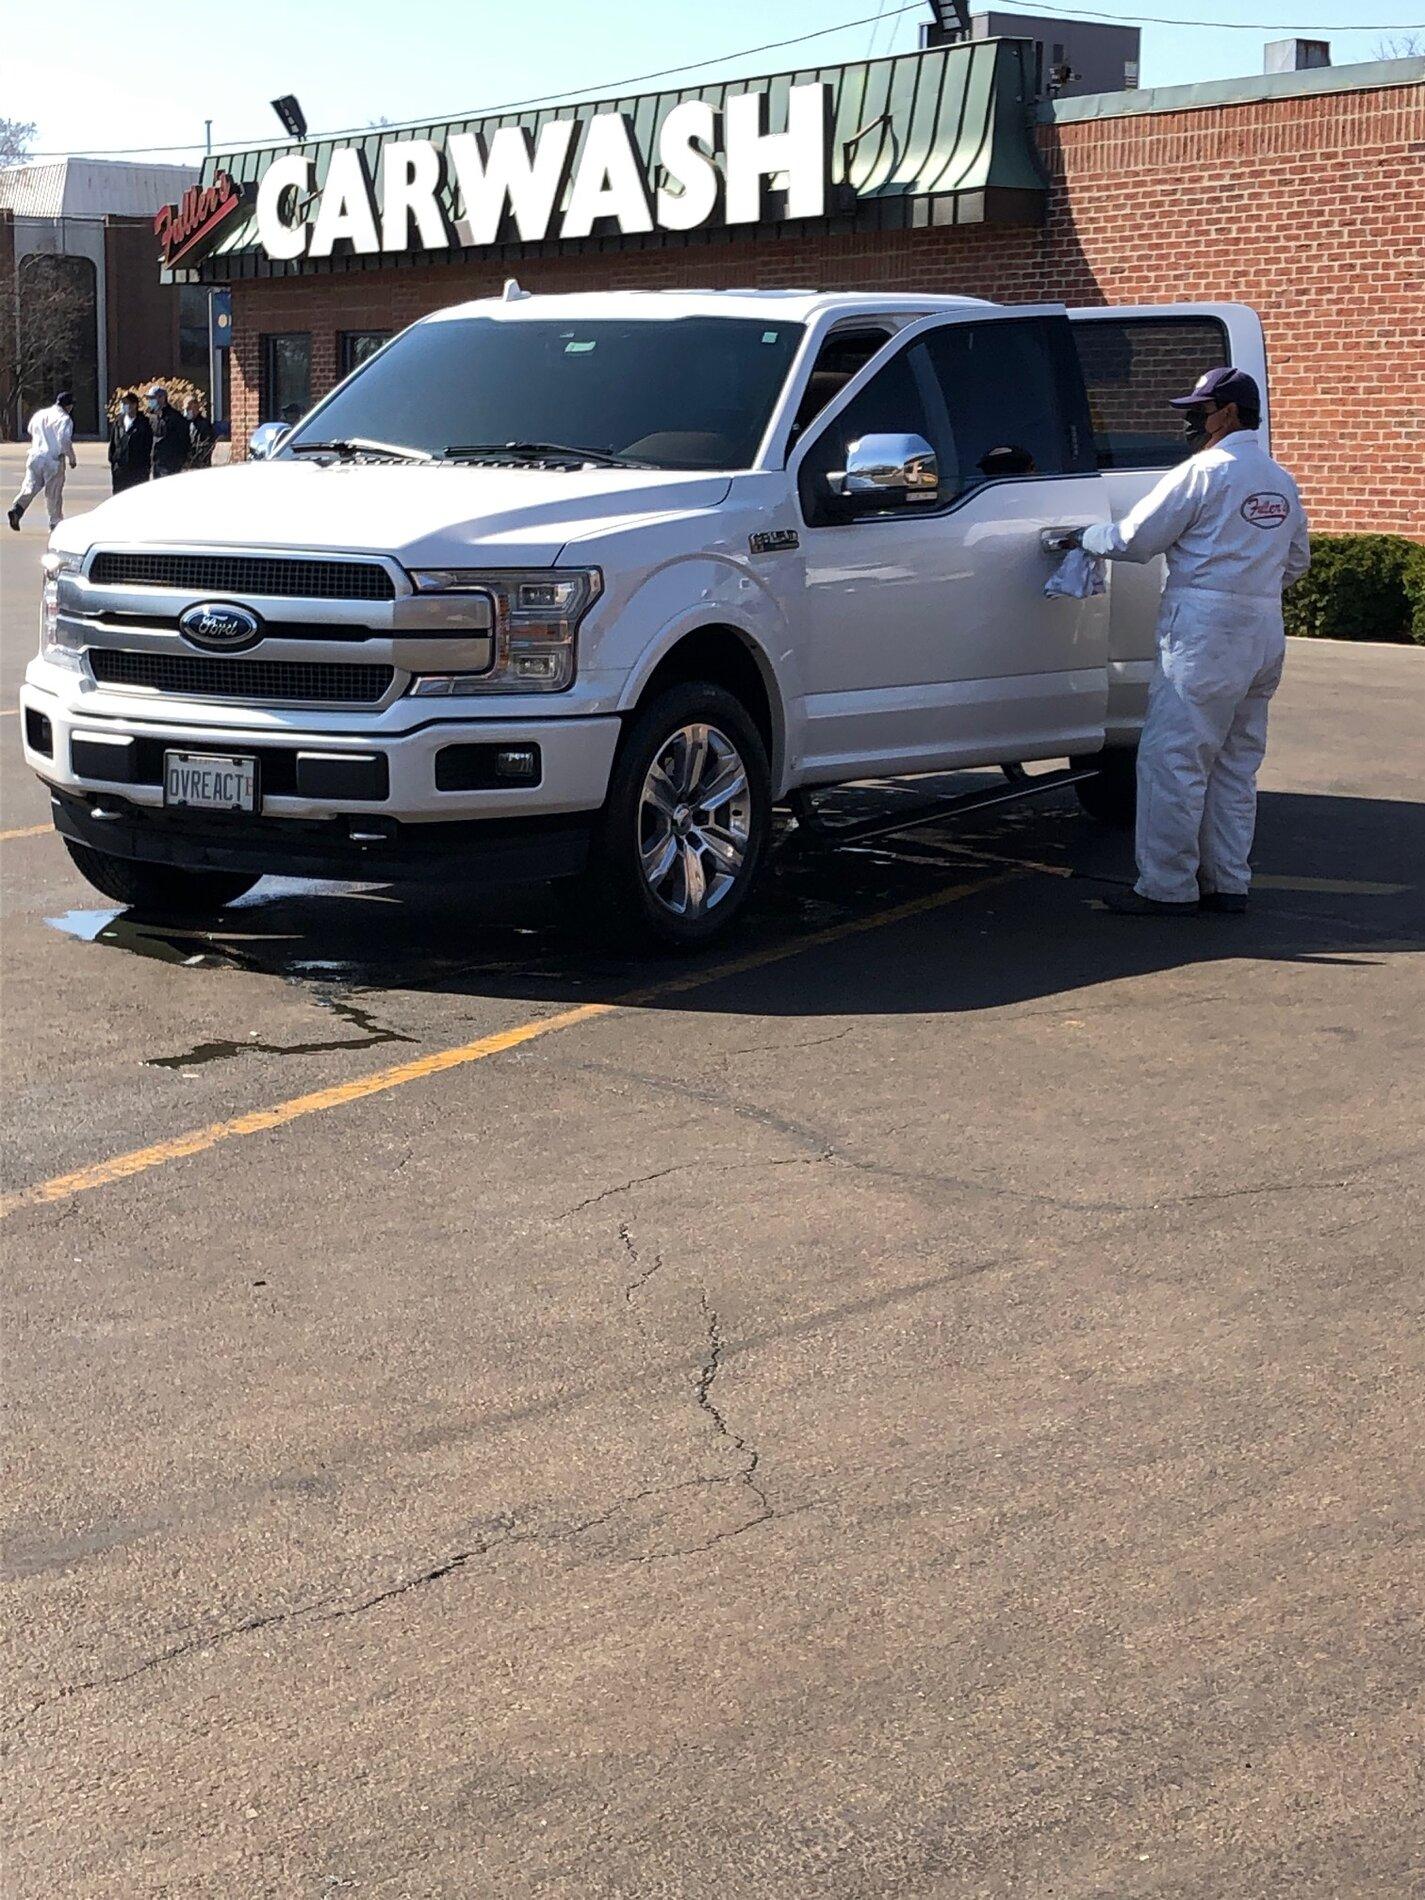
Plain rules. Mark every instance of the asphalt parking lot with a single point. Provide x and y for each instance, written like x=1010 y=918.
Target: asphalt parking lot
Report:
x=923 y=1402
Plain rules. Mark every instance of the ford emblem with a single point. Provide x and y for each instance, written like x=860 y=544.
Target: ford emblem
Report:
x=220 y=627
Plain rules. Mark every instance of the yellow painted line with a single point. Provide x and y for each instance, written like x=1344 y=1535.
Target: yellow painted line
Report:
x=25 y=831
x=62 y=1187
x=1341 y=887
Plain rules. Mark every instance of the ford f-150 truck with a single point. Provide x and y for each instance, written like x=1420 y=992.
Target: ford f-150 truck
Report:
x=584 y=586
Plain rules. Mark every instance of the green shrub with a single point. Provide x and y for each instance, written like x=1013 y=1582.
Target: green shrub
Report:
x=1415 y=593
x=1360 y=587
x=178 y=393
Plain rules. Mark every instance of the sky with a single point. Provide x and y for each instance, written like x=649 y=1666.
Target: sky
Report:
x=95 y=76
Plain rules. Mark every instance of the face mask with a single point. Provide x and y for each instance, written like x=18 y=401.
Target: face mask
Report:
x=1195 y=429
x=153 y=402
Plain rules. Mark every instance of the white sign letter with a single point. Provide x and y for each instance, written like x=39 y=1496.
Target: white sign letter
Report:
x=412 y=174
x=279 y=239
x=513 y=168
x=609 y=180
x=689 y=128
x=346 y=210
x=753 y=153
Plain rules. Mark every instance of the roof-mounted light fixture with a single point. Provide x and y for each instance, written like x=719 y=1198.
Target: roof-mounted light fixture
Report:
x=294 y=120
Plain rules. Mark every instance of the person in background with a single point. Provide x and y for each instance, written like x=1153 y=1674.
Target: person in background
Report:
x=51 y=452
x=1230 y=522
x=201 y=435
x=130 y=444
x=172 y=444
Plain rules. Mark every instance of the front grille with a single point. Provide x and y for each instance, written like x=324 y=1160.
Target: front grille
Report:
x=195 y=678
x=294 y=576
x=155 y=622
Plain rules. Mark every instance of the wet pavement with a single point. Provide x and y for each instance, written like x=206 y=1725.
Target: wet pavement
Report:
x=922 y=1400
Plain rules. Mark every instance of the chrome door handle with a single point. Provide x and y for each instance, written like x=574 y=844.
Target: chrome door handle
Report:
x=1057 y=540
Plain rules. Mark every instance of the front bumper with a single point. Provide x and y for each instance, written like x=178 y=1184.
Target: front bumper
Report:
x=403 y=821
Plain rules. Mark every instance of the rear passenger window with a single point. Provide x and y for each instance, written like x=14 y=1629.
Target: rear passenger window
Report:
x=1009 y=403
x=1132 y=367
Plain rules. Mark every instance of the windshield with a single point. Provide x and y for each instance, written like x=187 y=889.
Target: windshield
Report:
x=687 y=392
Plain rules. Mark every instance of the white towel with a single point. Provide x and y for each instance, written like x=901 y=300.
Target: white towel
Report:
x=1079 y=576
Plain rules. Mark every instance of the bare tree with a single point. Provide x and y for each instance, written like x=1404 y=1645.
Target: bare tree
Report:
x=1400 y=46
x=16 y=137
x=47 y=318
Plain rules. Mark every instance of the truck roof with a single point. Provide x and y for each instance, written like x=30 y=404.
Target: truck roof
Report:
x=793 y=306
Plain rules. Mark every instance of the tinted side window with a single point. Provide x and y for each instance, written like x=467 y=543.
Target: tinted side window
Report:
x=1132 y=367
x=1007 y=401
x=901 y=399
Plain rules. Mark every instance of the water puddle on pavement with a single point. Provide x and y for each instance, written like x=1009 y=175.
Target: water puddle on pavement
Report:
x=120 y=931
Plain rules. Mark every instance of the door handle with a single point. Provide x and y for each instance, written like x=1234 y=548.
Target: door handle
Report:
x=1056 y=540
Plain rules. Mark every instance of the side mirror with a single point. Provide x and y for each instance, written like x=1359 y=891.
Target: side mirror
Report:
x=266 y=439
x=891 y=467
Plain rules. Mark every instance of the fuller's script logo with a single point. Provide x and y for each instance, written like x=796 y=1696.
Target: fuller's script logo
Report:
x=1266 y=509
x=220 y=627
x=189 y=229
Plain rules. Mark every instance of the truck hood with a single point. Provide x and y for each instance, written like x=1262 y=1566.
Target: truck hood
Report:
x=443 y=516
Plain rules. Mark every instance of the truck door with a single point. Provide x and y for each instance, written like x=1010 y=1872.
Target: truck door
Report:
x=1134 y=359
x=928 y=640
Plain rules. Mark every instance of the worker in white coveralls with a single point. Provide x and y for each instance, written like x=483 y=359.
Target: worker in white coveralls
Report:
x=1230 y=522
x=51 y=452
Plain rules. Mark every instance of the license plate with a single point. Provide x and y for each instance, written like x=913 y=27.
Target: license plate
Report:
x=206 y=781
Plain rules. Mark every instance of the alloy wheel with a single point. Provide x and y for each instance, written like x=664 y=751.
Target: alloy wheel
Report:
x=694 y=820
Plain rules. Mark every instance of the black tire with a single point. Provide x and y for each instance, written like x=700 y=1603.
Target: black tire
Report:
x=1111 y=795
x=158 y=890
x=617 y=889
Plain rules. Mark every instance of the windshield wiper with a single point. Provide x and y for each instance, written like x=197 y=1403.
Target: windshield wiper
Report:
x=355 y=445
x=539 y=451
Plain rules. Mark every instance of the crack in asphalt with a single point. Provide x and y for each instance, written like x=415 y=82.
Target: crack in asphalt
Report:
x=505 y=1531
x=825 y=1150
x=707 y=1377
x=645 y=1274
x=685 y=1167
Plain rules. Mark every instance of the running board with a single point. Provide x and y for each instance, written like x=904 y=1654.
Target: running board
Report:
x=857 y=831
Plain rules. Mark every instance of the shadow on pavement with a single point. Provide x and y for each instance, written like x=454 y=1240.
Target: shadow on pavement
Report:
x=1338 y=888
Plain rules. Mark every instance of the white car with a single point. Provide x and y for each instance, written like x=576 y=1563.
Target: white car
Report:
x=563 y=586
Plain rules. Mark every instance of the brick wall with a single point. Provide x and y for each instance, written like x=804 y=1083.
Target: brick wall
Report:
x=1311 y=209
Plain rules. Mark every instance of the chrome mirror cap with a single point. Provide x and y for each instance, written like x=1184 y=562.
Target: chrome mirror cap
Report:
x=266 y=439
x=892 y=464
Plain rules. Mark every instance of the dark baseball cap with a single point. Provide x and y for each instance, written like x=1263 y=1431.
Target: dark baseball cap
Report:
x=1222 y=386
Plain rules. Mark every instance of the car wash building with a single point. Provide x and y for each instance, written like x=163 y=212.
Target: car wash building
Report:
x=958 y=169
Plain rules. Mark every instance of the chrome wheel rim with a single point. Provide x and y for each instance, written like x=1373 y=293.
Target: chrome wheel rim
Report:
x=694 y=821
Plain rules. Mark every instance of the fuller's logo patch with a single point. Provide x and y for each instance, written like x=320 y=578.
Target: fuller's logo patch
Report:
x=220 y=627
x=1266 y=509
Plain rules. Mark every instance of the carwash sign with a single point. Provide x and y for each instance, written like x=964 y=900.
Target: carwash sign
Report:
x=568 y=180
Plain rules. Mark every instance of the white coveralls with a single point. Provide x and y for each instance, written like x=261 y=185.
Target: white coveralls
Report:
x=1230 y=522
x=51 y=449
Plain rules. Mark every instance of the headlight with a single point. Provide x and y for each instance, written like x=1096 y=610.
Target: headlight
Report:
x=57 y=645
x=537 y=614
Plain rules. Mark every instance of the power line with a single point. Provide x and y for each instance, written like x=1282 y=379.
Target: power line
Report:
x=618 y=87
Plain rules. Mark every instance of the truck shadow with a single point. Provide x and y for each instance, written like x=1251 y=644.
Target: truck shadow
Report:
x=883 y=928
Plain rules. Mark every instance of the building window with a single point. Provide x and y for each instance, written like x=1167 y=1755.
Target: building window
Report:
x=57 y=338
x=358 y=345
x=1133 y=367
x=286 y=377
x=193 y=336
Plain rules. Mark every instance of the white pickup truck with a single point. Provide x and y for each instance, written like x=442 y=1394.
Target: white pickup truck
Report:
x=555 y=587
